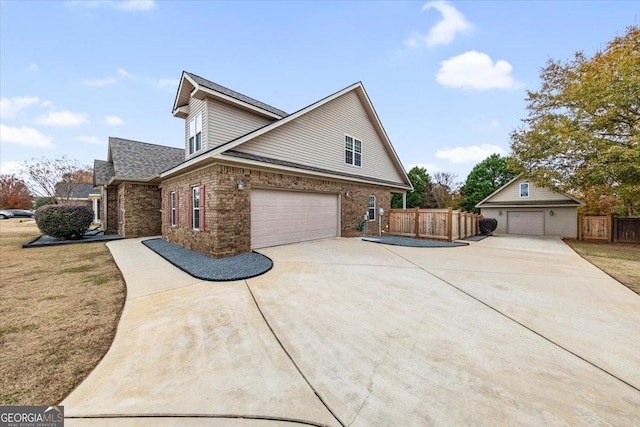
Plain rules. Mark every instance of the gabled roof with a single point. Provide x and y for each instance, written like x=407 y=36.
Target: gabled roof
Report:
x=78 y=191
x=135 y=161
x=357 y=87
x=191 y=83
x=567 y=201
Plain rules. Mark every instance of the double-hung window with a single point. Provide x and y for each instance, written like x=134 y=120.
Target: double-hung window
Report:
x=195 y=208
x=352 y=151
x=195 y=134
x=174 y=213
x=524 y=189
x=372 y=208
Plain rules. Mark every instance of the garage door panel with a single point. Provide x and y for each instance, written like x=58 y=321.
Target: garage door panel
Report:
x=525 y=222
x=281 y=217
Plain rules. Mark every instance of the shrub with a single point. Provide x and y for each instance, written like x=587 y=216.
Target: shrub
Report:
x=42 y=201
x=67 y=222
x=488 y=226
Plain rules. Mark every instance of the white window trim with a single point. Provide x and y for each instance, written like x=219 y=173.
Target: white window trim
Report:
x=194 y=208
x=375 y=204
x=173 y=211
x=195 y=129
x=528 y=190
x=353 y=151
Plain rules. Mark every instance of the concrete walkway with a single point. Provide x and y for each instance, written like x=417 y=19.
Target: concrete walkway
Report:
x=508 y=331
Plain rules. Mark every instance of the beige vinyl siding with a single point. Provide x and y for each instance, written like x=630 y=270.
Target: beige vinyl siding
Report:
x=563 y=222
x=317 y=139
x=196 y=106
x=227 y=122
x=512 y=193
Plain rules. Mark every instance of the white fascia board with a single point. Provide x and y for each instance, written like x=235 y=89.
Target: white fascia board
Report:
x=236 y=101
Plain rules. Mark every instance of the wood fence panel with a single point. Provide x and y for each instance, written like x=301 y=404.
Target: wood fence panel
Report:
x=439 y=224
x=626 y=230
x=596 y=228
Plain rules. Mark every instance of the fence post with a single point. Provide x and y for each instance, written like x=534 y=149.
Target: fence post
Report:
x=612 y=236
x=460 y=224
x=450 y=224
x=417 y=230
x=580 y=226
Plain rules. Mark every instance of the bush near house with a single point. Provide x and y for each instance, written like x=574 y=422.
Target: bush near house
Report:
x=487 y=225
x=68 y=222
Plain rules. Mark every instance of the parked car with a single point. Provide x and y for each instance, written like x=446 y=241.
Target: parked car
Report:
x=5 y=214
x=15 y=213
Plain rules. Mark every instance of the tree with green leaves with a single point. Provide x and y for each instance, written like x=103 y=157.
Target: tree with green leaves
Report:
x=422 y=194
x=583 y=128
x=485 y=178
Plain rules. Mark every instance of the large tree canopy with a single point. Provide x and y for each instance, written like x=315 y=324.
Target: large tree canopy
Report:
x=485 y=178
x=14 y=194
x=583 y=128
x=421 y=196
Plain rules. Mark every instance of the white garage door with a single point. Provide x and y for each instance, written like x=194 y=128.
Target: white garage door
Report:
x=281 y=217
x=530 y=223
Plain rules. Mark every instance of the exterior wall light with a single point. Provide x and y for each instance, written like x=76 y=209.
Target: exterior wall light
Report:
x=240 y=184
x=346 y=194
x=499 y=213
x=551 y=213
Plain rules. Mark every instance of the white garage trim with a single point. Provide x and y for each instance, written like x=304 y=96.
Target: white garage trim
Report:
x=525 y=222
x=280 y=217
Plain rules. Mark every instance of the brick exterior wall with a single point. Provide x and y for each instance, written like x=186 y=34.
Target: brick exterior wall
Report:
x=141 y=216
x=110 y=209
x=226 y=227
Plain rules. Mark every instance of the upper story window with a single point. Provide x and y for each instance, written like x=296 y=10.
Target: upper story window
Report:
x=372 y=208
x=352 y=151
x=195 y=134
x=524 y=189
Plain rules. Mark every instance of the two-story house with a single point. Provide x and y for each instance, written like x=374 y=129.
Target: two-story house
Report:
x=251 y=175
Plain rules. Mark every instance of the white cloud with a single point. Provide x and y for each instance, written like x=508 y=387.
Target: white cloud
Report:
x=135 y=5
x=476 y=70
x=494 y=123
x=10 y=168
x=452 y=23
x=113 y=120
x=64 y=119
x=33 y=68
x=90 y=140
x=168 y=83
x=99 y=82
x=122 y=72
x=46 y=104
x=126 y=5
x=24 y=136
x=9 y=107
x=474 y=153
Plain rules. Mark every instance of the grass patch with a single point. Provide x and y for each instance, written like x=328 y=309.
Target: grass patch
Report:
x=54 y=329
x=620 y=260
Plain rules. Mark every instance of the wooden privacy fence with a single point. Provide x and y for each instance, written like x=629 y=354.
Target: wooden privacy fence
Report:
x=439 y=224
x=609 y=228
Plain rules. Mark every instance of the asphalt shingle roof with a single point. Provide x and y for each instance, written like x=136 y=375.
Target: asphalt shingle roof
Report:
x=140 y=160
x=233 y=94
x=102 y=172
x=78 y=191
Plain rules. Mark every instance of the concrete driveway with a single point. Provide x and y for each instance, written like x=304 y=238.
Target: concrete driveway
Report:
x=509 y=331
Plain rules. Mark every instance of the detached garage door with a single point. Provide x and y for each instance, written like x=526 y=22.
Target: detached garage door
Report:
x=531 y=223
x=281 y=217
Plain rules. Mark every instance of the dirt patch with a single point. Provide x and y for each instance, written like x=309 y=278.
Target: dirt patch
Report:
x=620 y=260
x=59 y=308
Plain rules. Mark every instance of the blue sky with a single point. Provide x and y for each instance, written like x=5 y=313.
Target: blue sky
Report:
x=448 y=79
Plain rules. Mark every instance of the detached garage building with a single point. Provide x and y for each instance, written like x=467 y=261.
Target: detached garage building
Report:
x=522 y=208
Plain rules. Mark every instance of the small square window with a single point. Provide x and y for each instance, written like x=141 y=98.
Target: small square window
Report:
x=524 y=189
